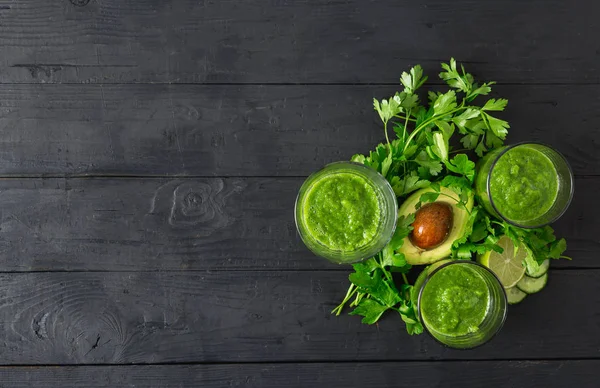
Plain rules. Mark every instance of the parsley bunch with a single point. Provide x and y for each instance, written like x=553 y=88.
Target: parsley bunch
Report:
x=420 y=156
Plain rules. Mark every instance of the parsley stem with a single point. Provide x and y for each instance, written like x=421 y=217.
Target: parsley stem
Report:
x=426 y=123
x=403 y=175
x=386 y=135
x=451 y=197
x=486 y=121
x=358 y=298
x=482 y=142
x=387 y=275
x=460 y=150
x=458 y=202
x=405 y=125
x=405 y=278
x=407 y=118
x=385 y=271
x=351 y=291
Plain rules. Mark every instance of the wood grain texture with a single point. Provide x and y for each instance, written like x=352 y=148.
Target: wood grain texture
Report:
x=244 y=130
x=318 y=375
x=151 y=152
x=120 y=318
x=150 y=224
x=197 y=224
x=266 y=41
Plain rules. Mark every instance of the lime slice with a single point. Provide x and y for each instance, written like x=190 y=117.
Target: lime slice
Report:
x=506 y=265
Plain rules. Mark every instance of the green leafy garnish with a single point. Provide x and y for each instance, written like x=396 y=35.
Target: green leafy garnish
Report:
x=421 y=155
x=373 y=288
x=540 y=243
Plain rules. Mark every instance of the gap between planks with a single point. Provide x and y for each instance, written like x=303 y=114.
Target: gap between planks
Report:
x=291 y=362
x=176 y=176
x=218 y=270
x=163 y=83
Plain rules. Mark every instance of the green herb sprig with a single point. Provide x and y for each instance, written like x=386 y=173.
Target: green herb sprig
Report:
x=420 y=156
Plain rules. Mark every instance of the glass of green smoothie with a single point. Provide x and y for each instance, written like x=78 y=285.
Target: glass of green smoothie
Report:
x=462 y=304
x=346 y=212
x=527 y=184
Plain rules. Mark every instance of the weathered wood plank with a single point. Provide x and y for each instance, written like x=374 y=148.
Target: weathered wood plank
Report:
x=266 y=41
x=198 y=224
x=116 y=318
x=243 y=130
x=318 y=375
x=150 y=224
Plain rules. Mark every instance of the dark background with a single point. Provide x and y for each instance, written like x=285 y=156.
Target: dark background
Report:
x=151 y=152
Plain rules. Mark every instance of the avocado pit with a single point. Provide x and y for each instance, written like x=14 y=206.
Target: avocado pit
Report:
x=432 y=225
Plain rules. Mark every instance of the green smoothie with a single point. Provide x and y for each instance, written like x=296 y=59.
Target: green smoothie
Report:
x=523 y=184
x=455 y=301
x=342 y=211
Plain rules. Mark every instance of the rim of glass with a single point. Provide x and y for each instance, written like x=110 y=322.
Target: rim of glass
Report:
x=384 y=187
x=489 y=193
x=467 y=262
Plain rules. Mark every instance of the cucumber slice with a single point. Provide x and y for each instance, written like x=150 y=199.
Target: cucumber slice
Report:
x=541 y=271
x=531 y=285
x=514 y=295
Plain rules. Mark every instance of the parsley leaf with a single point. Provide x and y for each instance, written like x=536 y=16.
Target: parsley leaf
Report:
x=429 y=196
x=470 y=141
x=541 y=242
x=557 y=248
x=456 y=183
x=440 y=146
x=463 y=81
x=370 y=310
x=461 y=164
x=497 y=126
x=493 y=104
x=377 y=287
x=387 y=108
x=445 y=103
x=389 y=257
x=424 y=160
x=454 y=79
x=408 y=184
x=414 y=80
x=408 y=312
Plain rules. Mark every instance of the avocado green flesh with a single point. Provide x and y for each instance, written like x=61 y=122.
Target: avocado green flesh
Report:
x=417 y=256
x=523 y=184
x=342 y=212
x=455 y=301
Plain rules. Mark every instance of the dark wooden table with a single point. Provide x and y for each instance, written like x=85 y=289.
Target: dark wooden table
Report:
x=151 y=152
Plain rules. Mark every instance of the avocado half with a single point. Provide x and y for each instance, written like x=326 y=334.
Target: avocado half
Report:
x=417 y=256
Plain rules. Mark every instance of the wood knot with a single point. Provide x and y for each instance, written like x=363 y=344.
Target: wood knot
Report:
x=192 y=202
x=80 y=3
x=200 y=206
x=195 y=207
x=38 y=325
